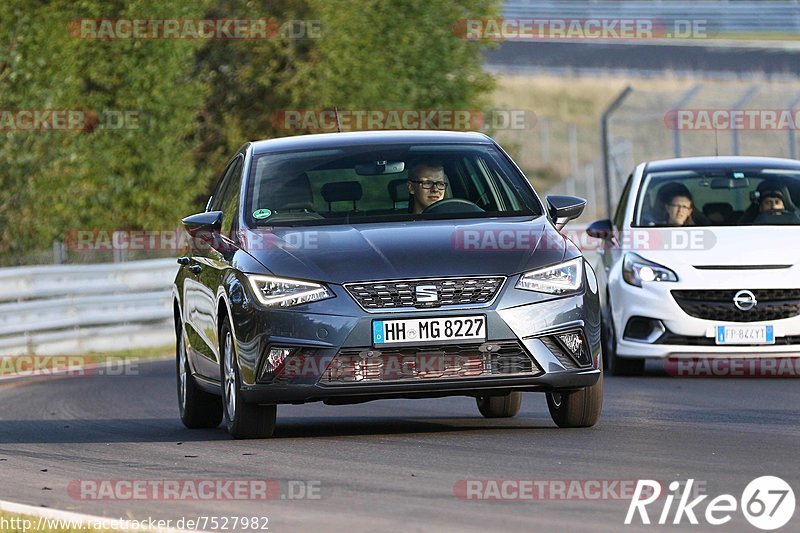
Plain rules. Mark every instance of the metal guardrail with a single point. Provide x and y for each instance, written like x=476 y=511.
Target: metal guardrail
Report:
x=79 y=308
x=723 y=16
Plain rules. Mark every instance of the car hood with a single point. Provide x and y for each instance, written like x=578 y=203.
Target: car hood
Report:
x=414 y=249
x=730 y=246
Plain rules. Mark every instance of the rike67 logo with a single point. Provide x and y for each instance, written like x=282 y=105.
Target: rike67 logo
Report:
x=767 y=503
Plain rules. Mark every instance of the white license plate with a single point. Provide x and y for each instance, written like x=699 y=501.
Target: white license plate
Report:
x=745 y=335
x=429 y=330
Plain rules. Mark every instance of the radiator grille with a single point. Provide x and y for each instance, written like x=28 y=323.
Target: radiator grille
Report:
x=404 y=294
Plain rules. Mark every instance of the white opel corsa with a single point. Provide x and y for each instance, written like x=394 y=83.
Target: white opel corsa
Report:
x=702 y=259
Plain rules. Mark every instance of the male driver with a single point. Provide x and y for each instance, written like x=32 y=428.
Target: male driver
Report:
x=427 y=184
x=771 y=200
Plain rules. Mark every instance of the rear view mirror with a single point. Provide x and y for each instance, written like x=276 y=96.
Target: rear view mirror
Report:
x=730 y=183
x=377 y=168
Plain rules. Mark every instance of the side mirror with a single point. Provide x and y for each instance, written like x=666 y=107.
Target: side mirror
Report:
x=601 y=229
x=562 y=209
x=208 y=222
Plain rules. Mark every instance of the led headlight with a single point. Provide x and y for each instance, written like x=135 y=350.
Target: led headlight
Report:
x=281 y=292
x=636 y=269
x=563 y=278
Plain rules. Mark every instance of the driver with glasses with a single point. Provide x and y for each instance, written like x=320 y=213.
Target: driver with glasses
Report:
x=427 y=184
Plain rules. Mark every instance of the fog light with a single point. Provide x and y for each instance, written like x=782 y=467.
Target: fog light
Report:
x=273 y=361
x=571 y=341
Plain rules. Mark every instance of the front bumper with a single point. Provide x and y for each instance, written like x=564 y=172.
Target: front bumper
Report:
x=522 y=318
x=686 y=336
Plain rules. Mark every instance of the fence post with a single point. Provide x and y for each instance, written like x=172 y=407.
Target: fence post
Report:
x=680 y=104
x=605 y=141
x=738 y=105
x=544 y=133
x=792 y=141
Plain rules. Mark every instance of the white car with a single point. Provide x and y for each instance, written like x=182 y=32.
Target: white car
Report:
x=722 y=282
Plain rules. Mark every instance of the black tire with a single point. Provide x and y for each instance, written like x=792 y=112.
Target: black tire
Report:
x=500 y=406
x=619 y=366
x=243 y=420
x=577 y=409
x=198 y=408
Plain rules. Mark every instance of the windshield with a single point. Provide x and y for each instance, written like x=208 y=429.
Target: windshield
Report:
x=385 y=183
x=719 y=197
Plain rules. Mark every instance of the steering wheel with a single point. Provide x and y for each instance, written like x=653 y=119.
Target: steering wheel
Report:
x=776 y=216
x=453 y=205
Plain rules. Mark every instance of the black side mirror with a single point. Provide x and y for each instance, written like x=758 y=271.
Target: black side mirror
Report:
x=601 y=229
x=562 y=209
x=204 y=231
x=208 y=222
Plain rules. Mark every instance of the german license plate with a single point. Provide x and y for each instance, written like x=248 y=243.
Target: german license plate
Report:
x=745 y=335
x=443 y=330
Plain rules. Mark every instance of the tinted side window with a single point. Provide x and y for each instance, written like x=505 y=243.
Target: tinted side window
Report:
x=619 y=216
x=219 y=192
x=230 y=198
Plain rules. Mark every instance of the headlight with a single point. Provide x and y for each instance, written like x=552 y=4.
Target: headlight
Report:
x=559 y=279
x=636 y=269
x=281 y=292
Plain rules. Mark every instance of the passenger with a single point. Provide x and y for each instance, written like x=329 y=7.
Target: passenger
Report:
x=678 y=205
x=427 y=184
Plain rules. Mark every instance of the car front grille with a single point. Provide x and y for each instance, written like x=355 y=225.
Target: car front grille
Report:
x=365 y=365
x=425 y=293
x=773 y=304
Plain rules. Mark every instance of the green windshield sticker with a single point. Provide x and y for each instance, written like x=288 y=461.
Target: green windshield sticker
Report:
x=262 y=214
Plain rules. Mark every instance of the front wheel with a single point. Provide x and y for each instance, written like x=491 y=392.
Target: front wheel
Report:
x=198 y=408
x=577 y=409
x=500 y=406
x=243 y=420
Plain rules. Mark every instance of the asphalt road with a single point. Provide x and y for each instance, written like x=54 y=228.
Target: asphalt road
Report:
x=393 y=465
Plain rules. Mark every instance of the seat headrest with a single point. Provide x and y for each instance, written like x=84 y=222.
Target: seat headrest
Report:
x=398 y=190
x=292 y=194
x=718 y=211
x=342 y=191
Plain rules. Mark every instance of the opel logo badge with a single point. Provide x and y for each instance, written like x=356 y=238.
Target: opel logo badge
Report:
x=744 y=300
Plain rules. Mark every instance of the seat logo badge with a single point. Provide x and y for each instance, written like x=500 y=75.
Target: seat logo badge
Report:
x=427 y=293
x=745 y=300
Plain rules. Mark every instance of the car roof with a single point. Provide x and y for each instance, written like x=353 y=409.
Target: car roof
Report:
x=722 y=162
x=362 y=138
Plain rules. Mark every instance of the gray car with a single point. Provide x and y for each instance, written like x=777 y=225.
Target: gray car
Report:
x=352 y=267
